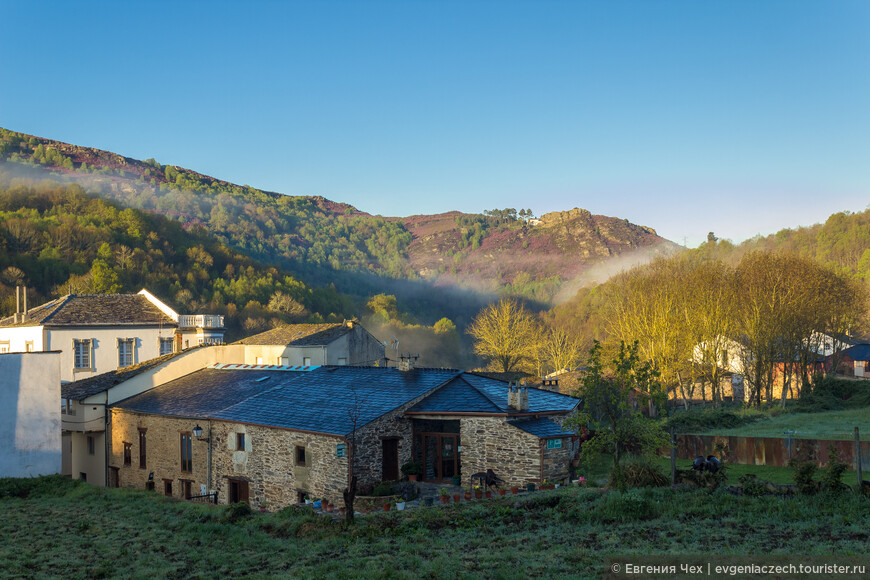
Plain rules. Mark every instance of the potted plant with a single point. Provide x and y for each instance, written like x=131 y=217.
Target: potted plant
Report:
x=502 y=490
x=488 y=494
x=412 y=470
x=342 y=510
x=457 y=497
x=530 y=487
x=444 y=496
x=387 y=506
x=400 y=504
x=547 y=485
x=330 y=508
x=581 y=481
x=478 y=493
x=457 y=481
x=515 y=489
x=467 y=496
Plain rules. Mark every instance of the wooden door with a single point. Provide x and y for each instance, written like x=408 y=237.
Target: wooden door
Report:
x=390 y=470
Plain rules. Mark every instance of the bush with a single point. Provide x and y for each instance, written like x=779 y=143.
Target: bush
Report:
x=628 y=506
x=411 y=468
x=804 y=471
x=44 y=486
x=832 y=477
x=637 y=472
x=833 y=394
x=752 y=486
x=382 y=489
x=699 y=421
x=237 y=511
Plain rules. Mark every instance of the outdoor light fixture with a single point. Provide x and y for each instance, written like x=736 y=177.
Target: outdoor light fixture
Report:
x=197 y=432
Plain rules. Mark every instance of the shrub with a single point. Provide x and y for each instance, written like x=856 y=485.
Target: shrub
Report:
x=631 y=505
x=237 y=511
x=752 y=486
x=411 y=468
x=699 y=421
x=637 y=472
x=44 y=486
x=804 y=471
x=832 y=477
x=383 y=488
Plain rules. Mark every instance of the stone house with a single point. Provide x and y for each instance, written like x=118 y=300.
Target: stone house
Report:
x=345 y=343
x=97 y=333
x=270 y=435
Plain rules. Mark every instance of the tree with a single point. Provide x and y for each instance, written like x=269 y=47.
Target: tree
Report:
x=612 y=398
x=506 y=333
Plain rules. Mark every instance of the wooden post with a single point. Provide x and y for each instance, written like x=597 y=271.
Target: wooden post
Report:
x=673 y=457
x=858 y=461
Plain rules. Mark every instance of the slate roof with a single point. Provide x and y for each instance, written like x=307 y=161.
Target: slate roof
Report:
x=206 y=392
x=489 y=396
x=859 y=352
x=95 y=310
x=298 y=335
x=543 y=428
x=320 y=400
x=84 y=388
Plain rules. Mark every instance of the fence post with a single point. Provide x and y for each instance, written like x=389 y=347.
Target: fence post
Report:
x=673 y=457
x=858 y=461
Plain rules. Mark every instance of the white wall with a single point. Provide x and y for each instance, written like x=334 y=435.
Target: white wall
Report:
x=105 y=347
x=19 y=336
x=30 y=414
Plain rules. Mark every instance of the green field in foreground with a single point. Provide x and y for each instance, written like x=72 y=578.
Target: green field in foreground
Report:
x=72 y=530
x=822 y=425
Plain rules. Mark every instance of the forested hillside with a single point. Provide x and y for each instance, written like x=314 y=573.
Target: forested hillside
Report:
x=468 y=258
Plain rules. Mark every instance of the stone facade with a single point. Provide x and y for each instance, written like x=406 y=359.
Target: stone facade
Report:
x=490 y=443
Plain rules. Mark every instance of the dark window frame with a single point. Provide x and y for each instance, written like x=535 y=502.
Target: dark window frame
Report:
x=300 y=459
x=240 y=442
x=142 y=447
x=187 y=452
x=167 y=487
x=128 y=454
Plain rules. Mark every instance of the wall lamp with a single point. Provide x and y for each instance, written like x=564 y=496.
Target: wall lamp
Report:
x=197 y=432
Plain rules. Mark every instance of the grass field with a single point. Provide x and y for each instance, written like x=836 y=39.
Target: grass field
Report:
x=72 y=530
x=822 y=425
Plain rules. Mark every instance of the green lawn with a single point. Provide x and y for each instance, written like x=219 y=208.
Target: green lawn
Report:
x=72 y=530
x=821 y=425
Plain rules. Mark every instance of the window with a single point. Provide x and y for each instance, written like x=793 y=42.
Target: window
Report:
x=259 y=360
x=300 y=456
x=167 y=487
x=167 y=346
x=554 y=443
x=142 y=448
x=342 y=361
x=28 y=346
x=66 y=407
x=186 y=452
x=240 y=441
x=83 y=476
x=125 y=351
x=91 y=446
x=4 y=346
x=82 y=354
x=128 y=454
x=283 y=361
x=306 y=361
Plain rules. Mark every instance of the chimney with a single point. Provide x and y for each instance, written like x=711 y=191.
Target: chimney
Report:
x=349 y=323
x=17 y=304
x=518 y=397
x=23 y=314
x=407 y=362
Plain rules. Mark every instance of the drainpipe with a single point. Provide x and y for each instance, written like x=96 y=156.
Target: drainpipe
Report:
x=106 y=440
x=323 y=346
x=542 y=442
x=208 y=478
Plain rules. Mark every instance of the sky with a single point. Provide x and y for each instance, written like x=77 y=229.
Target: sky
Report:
x=737 y=117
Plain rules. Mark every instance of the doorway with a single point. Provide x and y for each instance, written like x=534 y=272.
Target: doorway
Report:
x=238 y=491
x=390 y=467
x=440 y=456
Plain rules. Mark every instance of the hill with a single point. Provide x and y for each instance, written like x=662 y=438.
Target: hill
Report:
x=324 y=242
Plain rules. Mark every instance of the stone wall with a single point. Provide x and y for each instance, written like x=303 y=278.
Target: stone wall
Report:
x=267 y=463
x=490 y=443
x=557 y=461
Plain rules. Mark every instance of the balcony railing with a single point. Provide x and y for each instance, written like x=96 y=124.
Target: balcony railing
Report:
x=200 y=321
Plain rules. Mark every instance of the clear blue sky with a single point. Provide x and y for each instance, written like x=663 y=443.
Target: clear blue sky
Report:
x=733 y=116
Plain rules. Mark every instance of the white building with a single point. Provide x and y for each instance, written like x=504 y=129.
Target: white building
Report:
x=30 y=414
x=96 y=333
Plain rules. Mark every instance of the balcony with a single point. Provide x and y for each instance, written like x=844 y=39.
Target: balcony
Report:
x=200 y=321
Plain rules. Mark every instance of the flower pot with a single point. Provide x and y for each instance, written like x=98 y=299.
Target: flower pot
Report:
x=478 y=494
x=412 y=477
x=557 y=486
x=318 y=505
x=488 y=494
x=400 y=505
x=456 y=497
x=515 y=490
x=330 y=509
x=387 y=507
x=467 y=496
x=502 y=491
x=342 y=511
x=530 y=487
x=457 y=480
x=445 y=499
x=367 y=510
